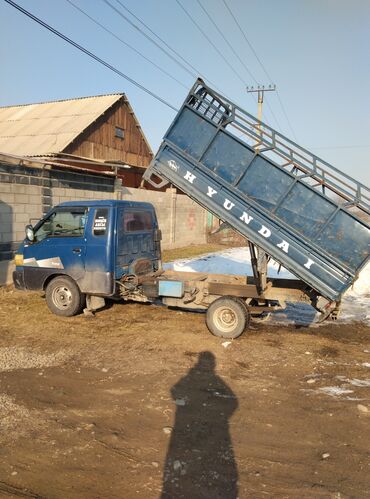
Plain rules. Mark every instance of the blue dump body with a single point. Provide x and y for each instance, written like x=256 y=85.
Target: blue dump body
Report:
x=300 y=210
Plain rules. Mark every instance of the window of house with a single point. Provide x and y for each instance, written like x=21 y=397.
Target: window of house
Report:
x=119 y=132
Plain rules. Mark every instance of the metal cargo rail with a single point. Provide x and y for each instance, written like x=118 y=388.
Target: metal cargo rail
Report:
x=300 y=210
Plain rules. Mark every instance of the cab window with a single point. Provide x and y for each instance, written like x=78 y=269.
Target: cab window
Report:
x=100 y=222
x=63 y=223
x=136 y=221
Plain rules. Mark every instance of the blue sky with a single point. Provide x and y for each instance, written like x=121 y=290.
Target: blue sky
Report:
x=316 y=52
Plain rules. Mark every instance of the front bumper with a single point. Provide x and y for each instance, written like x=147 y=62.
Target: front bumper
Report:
x=18 y=279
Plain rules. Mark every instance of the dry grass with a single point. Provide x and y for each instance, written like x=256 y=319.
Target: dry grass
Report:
x=191 y=251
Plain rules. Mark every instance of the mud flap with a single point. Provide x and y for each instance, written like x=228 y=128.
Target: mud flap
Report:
x=93 y=303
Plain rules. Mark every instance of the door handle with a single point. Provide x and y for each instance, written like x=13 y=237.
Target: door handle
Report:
x=76 y=250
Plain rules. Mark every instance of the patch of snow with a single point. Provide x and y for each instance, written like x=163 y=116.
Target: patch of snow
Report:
x=334 y=391
x=233 y=261
x=355 y=381
x=237 y=261
x=356 y=301
x=359 y=382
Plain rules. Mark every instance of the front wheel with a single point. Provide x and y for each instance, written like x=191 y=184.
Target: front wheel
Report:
x=63 y=297
x=227 y=317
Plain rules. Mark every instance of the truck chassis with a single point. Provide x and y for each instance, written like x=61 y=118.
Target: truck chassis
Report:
x=230 y=301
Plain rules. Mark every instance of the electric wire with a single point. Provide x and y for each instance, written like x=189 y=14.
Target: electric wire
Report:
x=360 y=146
x=227 y=42
x=90 y=54
x=107 y=30
x=161 y=40
x=166 y=44
x=239 y=58
x=262 y=66
x=224 y=58
x=237 y=74
x=149 y=38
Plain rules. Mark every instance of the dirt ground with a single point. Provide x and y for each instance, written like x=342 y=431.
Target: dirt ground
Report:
x=142 y=402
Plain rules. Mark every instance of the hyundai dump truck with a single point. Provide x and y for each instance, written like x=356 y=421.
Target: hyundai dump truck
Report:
x=289 y=204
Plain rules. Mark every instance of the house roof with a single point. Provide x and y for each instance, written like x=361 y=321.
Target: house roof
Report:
x=49 y=127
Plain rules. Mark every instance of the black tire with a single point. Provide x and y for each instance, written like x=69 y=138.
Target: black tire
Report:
x=227 y=317
x=63 y=297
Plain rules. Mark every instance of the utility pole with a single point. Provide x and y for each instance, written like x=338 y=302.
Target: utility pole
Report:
x=261 y=89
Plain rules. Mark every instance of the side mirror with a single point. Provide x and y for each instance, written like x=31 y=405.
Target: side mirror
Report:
x=30 y=235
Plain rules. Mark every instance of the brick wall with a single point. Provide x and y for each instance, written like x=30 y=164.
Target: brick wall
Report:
x=27 y=193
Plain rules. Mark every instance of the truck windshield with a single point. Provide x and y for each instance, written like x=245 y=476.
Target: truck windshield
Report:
x=63 y=223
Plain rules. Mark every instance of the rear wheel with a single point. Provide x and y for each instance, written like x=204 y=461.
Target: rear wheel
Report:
x=63 y=297
x=227 y=317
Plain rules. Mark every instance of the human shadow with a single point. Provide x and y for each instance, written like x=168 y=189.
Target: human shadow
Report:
x=200 y=461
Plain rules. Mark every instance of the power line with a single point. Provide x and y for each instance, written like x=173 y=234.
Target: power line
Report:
x=162 y=41
x=125 y=43
x=360 y=146
x=261 y=64
x=149 y=38
x=197 y=72
x=177 y=53
x=227 y=42
x=286 y=116
x=239 y=58
x=246 y=39
x=90 y=54
x=210 y=41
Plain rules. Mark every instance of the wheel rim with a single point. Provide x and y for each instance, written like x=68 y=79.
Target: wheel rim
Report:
x=62 y=297
x=225 y=319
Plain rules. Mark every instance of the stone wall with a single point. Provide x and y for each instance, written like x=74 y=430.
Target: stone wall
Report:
x=27 y=193
x=182 y=221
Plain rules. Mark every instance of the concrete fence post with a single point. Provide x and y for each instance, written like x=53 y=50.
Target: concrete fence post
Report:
x=173 y=215
x=118 y=188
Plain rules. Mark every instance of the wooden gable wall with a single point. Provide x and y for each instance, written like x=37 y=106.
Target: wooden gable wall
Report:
x=99 y=140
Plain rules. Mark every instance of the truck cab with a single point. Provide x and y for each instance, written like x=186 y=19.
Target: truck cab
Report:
x=83 y=247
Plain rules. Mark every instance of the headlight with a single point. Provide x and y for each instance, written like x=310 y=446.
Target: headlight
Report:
x=18 y=260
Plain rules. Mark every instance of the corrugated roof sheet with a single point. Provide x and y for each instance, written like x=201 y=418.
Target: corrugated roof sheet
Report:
x=48 y=127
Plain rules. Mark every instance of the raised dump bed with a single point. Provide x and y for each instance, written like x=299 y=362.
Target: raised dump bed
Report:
x=297 y=208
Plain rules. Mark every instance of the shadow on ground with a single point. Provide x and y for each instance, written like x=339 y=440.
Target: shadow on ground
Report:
x=200 y=461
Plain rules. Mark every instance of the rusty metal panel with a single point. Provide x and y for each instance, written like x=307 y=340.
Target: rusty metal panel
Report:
x=223 y=289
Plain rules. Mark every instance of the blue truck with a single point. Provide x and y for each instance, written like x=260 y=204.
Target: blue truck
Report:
x=289 y=204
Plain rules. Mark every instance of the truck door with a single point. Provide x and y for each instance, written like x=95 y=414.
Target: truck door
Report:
x=58 y=248
x=99 y=261
x=138 y=247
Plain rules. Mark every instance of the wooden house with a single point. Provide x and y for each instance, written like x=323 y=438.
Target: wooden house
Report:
x=99 y=133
